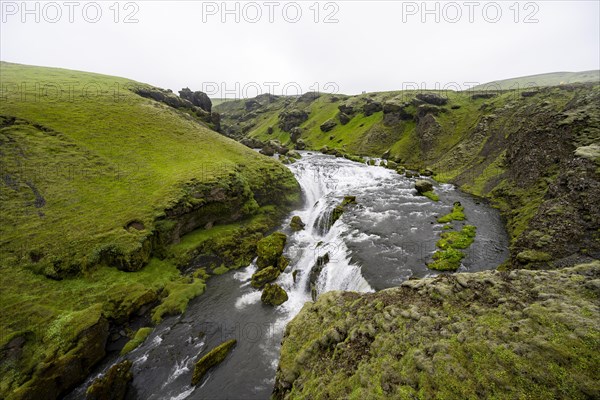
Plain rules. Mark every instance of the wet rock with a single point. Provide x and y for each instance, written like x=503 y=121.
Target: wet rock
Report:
x=386 y=155
x=213 y=358
x=264 y=276
x=296 y=224
x=328 y=125
x=273 y=295
x=300 y=145
x=423 y=186
x=294 y=154
x=113 y=385
x=270 y=249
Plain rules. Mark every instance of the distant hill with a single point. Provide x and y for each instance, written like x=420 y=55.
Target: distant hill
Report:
x=549 y=79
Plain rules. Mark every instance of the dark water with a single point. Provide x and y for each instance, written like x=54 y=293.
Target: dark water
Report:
x=383 y=240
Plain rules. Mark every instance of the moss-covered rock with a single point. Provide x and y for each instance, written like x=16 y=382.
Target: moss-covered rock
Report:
x=113 y=385
x=270 y=249
x=423 y=186
x=296 y=223
x=492 y=334
x=211 y=359
x=138 y=339
x=533 y=256
x=273 y=295
x=263 y=276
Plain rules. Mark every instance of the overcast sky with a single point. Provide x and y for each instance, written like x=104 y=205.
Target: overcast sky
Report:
x=343 y=46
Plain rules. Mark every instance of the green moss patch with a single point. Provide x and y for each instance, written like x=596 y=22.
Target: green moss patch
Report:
x=139 y=338
x=457 y=214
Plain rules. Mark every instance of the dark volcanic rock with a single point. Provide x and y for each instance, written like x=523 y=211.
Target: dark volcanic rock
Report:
x=291 y=119
x=295 y=134
x=308 y=97
x=253 y=143
x=346 y=109
x=344 y=118
x=163 y=96
x=300 y=145
x=372 y=107
x=252 y=105
x=328 y=125
x=199 y=99
x=432 y=98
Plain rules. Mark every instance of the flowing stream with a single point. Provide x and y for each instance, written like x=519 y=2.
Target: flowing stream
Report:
x=384 y=239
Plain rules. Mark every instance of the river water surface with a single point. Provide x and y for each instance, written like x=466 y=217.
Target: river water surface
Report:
x=386 y=238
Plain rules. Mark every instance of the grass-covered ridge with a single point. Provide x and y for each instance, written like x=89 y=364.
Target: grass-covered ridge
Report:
x=97 y=181
x=518 y=334
x=524 y=149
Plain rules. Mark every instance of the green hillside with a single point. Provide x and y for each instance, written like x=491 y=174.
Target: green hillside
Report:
x=539 y=80
x=99 y=190
x=514 y=147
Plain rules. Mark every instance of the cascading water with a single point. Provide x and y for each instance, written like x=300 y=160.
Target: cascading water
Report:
x=377 y=243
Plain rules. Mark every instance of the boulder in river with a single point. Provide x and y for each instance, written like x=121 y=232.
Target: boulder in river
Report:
x=300 y=145
x=270 y=249
x=212 y=358
x=296 y=224
x=273 y=295
x=423 y=186
x=264 y=276
x=113 y=385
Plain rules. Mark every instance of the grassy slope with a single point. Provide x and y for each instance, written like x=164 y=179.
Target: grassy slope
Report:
x=549 y=79
x=494 y=335
x=75 y=171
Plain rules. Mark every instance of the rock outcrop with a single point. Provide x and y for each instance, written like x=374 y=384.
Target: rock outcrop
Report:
x=199 y=99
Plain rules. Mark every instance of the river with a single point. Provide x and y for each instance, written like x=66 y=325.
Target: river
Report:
x=384 y=239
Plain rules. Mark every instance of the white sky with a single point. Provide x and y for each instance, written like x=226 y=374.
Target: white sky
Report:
x=374 y=46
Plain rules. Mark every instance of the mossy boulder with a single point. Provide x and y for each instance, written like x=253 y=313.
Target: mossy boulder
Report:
x=138 y=339
x=533 y=256
x=269 y=250
x=328 y=125
x=294 y=154
x=296 y=224
x=211 y=359
x=273 y=295
x=423 y=186
x=263 y=276
x=348 y=200
x=113 y=385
